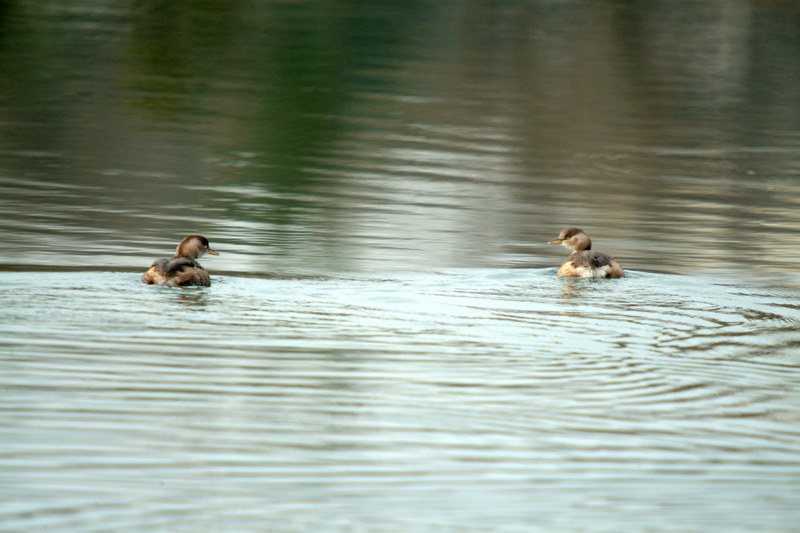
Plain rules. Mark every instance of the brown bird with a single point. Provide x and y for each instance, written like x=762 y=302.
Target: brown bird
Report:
x=584 y=262
x=182 y=270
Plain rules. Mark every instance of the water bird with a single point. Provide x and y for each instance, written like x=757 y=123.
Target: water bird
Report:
x=584 y=262
x=182 y=270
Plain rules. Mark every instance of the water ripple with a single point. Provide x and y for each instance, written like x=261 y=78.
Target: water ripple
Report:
x=388 y=390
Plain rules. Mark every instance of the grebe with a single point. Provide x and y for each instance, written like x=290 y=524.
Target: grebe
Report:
x=182 y=270
x=584 y=262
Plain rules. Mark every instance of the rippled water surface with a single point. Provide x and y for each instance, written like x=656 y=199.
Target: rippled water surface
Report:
x=386 y=345
x=480 y=400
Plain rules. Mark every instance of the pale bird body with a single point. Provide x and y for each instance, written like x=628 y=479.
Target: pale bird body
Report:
x=584 y=262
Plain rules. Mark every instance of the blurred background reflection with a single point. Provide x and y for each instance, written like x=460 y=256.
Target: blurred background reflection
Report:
x=320 y=136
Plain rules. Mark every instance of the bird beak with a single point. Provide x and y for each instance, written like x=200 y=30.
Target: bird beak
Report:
x=212 y=252
x=557 y=241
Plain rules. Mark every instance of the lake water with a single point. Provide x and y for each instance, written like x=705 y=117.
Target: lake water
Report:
x=385 y=345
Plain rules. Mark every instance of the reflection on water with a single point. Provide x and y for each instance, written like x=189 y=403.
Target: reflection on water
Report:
x=329 y=150
x=311 y=137
x=493 y=399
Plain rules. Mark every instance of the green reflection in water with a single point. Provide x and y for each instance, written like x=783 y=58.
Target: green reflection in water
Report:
x=433 y=133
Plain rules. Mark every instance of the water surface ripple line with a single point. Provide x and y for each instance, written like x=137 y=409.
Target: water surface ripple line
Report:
x=415 y=390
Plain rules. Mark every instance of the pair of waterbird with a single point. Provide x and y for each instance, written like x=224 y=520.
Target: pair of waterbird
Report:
x=184 y=270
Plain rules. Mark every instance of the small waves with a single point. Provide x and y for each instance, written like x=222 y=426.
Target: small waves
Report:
x=420 y=391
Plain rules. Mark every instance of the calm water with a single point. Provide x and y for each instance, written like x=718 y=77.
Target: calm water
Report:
x=385 y=346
